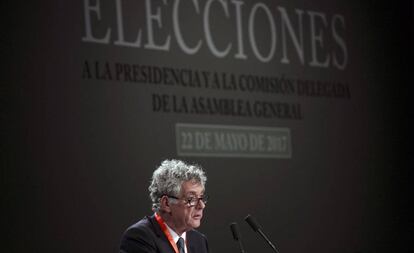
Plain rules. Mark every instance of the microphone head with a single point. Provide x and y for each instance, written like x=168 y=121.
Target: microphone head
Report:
x=252 y=222
x=235 y=231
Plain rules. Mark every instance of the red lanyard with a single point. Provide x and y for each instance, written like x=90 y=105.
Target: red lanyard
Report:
x=166 y=232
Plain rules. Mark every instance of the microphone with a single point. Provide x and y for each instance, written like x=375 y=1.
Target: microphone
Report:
x=257 y=228
x=236 y=235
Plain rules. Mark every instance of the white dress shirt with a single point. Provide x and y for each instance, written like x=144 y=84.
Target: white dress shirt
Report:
x=175 y=237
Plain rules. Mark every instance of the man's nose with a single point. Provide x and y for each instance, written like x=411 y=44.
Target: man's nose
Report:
x=201 y=204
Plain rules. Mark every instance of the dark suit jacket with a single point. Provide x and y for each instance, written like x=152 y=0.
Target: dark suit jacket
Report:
x=146 y=236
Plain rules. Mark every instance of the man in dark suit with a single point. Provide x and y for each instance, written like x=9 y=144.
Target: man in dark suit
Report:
x=178 y=200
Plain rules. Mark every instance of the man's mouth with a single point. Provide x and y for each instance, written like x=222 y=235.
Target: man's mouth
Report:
x=198 y=216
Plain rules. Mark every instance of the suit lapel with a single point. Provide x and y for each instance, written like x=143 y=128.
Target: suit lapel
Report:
x=162 y=240
x=190 y=242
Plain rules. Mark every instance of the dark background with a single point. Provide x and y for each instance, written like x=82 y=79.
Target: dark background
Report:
x=77 y=156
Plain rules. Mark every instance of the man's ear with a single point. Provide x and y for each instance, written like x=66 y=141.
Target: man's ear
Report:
x=165 y=204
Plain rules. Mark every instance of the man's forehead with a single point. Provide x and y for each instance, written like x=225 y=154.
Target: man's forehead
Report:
x=192 y=187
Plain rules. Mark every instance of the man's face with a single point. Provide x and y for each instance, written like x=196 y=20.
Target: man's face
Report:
x=183 y=216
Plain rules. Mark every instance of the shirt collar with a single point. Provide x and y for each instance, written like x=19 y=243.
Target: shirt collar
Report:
x=174 y=235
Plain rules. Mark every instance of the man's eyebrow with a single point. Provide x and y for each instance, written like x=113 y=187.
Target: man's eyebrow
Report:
x=194 y=193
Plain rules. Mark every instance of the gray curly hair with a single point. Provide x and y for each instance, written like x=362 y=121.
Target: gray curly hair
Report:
x=168 y=178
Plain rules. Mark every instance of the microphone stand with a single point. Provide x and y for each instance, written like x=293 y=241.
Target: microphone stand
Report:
x=256 y=227
x=267 y=240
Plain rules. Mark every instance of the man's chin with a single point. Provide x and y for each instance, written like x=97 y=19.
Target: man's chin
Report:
x=195 y=223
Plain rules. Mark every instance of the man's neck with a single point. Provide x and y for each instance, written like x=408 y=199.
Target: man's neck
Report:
x=167 y=219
